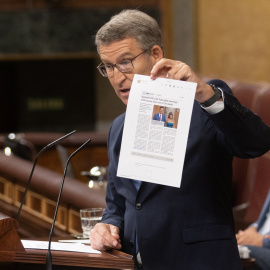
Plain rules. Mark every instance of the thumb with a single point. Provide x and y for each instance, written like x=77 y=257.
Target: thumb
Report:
x=115 y=234
x=114 y=230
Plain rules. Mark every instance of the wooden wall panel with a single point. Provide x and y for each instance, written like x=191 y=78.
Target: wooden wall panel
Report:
x=232 y=39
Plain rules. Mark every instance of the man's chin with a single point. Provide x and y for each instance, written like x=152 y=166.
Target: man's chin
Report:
x=125 y=101
x=124 y=97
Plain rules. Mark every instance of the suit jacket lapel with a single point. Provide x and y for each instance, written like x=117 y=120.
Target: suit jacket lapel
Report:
x=145 y=190
x=125 y=181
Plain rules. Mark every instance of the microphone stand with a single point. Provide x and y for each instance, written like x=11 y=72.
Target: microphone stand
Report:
x=34 y=165
x=49 y=255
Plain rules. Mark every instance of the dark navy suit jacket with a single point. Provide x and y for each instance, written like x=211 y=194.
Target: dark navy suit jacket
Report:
x=190 y=227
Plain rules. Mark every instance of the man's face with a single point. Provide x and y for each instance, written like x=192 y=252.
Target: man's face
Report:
x=161 y=110
x=118 y=51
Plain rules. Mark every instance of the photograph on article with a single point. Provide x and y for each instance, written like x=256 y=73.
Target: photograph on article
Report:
x=165 y=116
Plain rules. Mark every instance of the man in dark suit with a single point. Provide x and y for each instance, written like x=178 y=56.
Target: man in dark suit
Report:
x=160 y=116
x=257 y=237
x=190 y=227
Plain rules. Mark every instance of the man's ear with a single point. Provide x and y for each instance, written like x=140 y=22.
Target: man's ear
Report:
x=156 y=53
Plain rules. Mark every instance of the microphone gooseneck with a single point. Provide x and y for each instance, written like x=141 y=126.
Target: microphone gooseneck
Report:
x=49 y=256
x=34 y=165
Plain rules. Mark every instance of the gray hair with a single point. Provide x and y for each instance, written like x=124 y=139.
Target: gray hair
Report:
x=130 y=24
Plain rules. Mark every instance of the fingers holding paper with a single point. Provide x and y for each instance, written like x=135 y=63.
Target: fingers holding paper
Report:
x=172 y=69
x=178 y=70
x=104 y=237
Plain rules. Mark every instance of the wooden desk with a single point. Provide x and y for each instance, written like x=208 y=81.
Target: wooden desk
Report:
x=14 y=256
x=36 y=259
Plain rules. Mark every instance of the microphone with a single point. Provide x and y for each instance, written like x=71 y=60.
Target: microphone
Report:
x=49 y=255
x=34 y=165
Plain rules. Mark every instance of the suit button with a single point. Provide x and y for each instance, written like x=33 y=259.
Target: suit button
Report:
x=138 y=206
x=131 y=244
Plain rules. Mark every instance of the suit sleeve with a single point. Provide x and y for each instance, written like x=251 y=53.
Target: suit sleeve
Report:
x=266 y=242
x=114 y=212
x=243 y=133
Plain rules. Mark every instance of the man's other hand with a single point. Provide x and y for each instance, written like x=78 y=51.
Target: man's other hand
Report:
x=104 y=237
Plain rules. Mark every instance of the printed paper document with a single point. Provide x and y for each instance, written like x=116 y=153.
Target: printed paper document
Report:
x=75 y=247
x=156 y=130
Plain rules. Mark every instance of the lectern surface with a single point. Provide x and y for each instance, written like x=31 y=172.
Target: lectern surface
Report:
x=71 y=260
x=14 y=256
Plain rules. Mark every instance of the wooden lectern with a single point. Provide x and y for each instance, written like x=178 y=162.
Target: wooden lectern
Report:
x=9 y=238
x=14 y=256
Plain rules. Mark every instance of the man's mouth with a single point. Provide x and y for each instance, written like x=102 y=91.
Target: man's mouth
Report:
x=124 y=90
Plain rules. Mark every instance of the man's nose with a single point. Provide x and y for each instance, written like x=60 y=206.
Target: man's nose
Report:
x=118 y=76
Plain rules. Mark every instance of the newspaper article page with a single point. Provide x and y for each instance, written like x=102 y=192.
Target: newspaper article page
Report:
x=156 y=130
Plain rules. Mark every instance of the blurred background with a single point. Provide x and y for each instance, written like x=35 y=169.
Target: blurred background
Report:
x=49 y=86
x=48 y=76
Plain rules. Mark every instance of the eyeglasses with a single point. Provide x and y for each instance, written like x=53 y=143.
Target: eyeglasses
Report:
x=125 y=66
